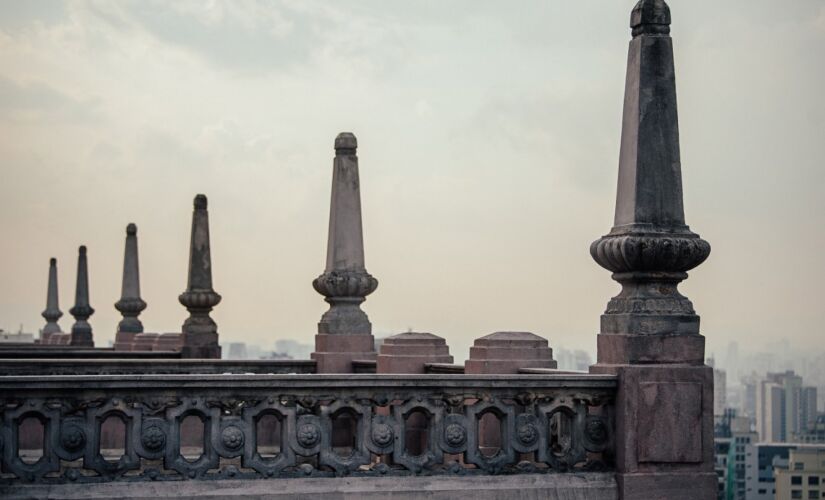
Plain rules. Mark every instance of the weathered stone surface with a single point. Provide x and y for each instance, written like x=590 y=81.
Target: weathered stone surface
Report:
x=345 y=282
x=199 y=331
x=587 y=486
x=145 y=341
x=310 y=408
x=409 y=352
x=666 y=408
x=650 y=332
x=130 y=304
x=650 y=248
x=507 y=352
x=81 y=335
x=52 y=312
x=168 y=342
x=667 y=486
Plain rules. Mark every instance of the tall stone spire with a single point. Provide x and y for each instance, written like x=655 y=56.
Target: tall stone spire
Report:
x=344 y=332
x=650 y=249
x=130 y=304
x=81 y=329
x=650 y=333
x=199 y=332
x=52 y=312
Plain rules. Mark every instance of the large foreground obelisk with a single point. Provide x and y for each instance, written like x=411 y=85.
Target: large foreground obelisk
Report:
x=650 y=332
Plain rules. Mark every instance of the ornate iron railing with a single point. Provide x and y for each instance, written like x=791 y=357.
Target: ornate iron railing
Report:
x=62 y=429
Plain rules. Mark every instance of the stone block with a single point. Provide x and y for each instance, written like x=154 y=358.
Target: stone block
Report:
x=668 y=486
x=664 y=417
x=409 y=352
x=145 y=341
x=168 y=342
x=507 y=352
x=124 y=341
x=618 y=349
x=671 y=409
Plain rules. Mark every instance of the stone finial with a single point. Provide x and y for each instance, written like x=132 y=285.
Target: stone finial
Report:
x=650 y=249
x=650 y=17
x=345 y=282
x=52 y=312
x=130 y=304
x=81 y=330
x=199 y=332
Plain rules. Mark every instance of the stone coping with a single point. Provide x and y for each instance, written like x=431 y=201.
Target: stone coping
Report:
x=63 y=366
x=304 y=381
x=581 y=486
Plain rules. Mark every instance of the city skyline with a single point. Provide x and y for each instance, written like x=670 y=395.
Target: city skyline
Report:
x=483 y=180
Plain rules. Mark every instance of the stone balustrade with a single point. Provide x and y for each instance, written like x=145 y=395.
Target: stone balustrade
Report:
x=279 y=426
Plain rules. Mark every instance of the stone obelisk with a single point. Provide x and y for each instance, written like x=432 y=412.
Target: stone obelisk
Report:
x=130 y=304
x=200 y=333
x=81 y=329
x=650 y=333
x=52 y=312
x=344 y=332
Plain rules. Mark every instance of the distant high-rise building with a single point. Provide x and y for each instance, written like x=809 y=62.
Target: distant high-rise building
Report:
x=814 y=434
x=734 y=436
x=785 y=407
x=720 y=390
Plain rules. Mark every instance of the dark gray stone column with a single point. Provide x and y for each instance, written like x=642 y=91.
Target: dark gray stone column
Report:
x=344 y=332
x=199 y=332
x=650 y=332
x=81 y=329
x=52 y=312
x=130 y=304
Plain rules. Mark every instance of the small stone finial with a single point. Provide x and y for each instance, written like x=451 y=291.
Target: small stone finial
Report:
x=650 y=248
x=345 y=282
x=651 y=17
x=346 y=143
x=200 y=202
x=52 y=312
x=130 y=304
x=81 y=334
x=199 y=332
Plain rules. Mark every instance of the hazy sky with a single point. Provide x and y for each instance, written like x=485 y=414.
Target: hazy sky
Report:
x=489 y=140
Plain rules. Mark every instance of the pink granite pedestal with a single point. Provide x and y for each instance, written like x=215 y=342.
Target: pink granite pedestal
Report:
x=334 y=353
x=145 y=341
x=410 y=352
x=125 y=341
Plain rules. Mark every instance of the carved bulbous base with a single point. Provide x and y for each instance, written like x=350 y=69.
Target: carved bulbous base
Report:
x=199 y=299
x=345 y=284
x=649 y=263
x=627 y=250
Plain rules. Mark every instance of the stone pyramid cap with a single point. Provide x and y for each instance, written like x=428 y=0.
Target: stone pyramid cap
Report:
x=520 y=339
x=414 y=338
